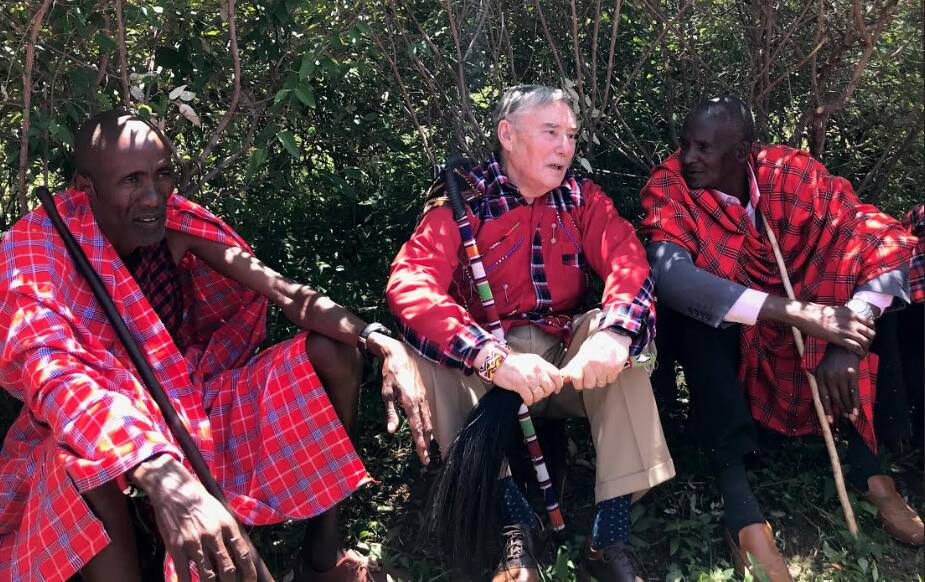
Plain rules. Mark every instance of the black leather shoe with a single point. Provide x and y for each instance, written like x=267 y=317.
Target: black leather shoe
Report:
x=522 y=549
x=610 y=564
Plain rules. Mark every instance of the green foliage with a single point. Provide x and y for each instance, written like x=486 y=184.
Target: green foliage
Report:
x=345 y=107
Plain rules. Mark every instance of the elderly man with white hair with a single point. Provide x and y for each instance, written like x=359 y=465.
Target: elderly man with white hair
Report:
x=542 y=231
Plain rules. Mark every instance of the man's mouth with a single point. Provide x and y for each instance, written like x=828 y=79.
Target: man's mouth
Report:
x=557 y=167
x=153 y=219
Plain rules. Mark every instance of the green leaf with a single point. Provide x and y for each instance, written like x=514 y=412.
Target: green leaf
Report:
x=305 y=95
x=105 y=43
x=288 y=140
x=307 y=67
x=280 y=95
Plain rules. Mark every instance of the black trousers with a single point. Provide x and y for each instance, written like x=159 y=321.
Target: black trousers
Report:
x=719 y=415
x=720 y=418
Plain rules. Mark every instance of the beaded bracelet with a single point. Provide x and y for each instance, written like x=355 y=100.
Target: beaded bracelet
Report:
x=493 y=360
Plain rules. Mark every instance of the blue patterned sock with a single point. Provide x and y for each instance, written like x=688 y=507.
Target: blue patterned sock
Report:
x=514 y=506
x=611 y=522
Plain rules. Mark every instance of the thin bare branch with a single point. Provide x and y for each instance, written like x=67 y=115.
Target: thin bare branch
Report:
x=37 y=19
x=123 y=58
x=409 y=106
x=549 y=39
x=229 y=8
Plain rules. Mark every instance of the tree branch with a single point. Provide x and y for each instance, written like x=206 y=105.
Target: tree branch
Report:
x=235 y=94
x=37 y=19
x=123 y=58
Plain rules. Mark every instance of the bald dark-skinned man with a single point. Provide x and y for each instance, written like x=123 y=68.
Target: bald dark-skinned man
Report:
x=273 y=427
x=709 y=207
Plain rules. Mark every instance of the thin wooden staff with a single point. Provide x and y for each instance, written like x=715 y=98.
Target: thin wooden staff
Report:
x=814 y=388
x=190 y=450
x=494 y=325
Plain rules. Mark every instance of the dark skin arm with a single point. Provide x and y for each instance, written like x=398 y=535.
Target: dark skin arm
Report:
x=849 y=336
x=836 y=325
x=314 y=312
x=194 y=525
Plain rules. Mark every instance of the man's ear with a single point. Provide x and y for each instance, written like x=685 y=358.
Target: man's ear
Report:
x=84 y=183
x=505 y=134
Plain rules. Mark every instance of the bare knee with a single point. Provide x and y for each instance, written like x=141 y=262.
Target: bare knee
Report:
x=334 y=362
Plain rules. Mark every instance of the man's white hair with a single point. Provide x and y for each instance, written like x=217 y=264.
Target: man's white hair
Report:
x=524 y=97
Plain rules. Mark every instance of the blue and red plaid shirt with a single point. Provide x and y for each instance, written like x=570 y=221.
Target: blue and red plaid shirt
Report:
x=537 y=258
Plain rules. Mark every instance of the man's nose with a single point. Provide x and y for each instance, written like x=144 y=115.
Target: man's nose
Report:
x=151 y=195
x=687 y=155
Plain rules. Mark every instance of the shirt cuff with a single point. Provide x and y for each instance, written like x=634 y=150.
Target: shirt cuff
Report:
x=879 y=300
x=746 y=308
x=466 y=345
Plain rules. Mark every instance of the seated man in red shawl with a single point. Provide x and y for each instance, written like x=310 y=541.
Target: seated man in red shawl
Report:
x=195 y=298
x=708 y=210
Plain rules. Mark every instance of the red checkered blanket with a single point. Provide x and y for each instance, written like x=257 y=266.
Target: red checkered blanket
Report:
x=831 y=243
x=915 y=222
x=263 y=423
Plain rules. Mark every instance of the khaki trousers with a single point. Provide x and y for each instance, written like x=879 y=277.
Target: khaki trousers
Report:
x=631 y=454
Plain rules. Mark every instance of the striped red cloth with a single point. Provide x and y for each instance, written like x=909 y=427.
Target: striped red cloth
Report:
x=915 y=222
x=263 y=423
x=159 y=279
x=831 y=243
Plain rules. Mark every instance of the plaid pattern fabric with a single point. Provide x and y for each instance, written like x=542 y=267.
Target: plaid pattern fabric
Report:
x=536 y=257
x=159 y=279
x=263 y=424
x=915 y=222
x=831 y=242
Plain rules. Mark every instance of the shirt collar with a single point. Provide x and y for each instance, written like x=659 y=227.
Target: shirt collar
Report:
x=754 y=195
x=497 y=189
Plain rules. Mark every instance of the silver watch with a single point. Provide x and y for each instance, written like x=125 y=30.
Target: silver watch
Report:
x=862 y=308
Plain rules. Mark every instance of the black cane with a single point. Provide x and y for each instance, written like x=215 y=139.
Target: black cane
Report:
x=147 y=374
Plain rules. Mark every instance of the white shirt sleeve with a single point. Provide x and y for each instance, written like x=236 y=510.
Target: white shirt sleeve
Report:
x=746 y=308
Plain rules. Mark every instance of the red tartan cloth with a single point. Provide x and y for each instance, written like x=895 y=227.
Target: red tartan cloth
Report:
x=831 y=243
x=915 y=222
x=263 y=423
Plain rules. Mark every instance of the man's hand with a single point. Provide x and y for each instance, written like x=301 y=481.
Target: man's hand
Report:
x=837 y=376
x=599 y=360
x=195 y=527
x=528 y=375
x=401 y=381
x=836 y=325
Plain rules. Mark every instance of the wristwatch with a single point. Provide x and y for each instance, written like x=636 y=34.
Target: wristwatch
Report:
x=862 y=308
x=371 y=328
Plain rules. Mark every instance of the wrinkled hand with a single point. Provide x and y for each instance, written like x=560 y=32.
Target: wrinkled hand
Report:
x=837 y=325
x=401 y=381
x=837 y=377
x=599 y=360
x=529 y=375
x=195 y=527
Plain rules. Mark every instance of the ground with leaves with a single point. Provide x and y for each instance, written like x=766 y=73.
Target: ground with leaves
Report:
x=676 y=527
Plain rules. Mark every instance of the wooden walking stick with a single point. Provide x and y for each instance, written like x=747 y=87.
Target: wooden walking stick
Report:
x=814 y=388
x=150 y=381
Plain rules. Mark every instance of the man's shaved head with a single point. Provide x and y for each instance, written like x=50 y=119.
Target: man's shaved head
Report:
x=103 y=132
x=123 y=165
x=727 y=109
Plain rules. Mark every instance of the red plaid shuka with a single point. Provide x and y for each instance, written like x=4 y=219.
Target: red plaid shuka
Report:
x=831 y=243
x=263 y=423
x=915 y=222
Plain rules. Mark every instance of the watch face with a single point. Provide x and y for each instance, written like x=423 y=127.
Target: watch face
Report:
x=860 y=307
